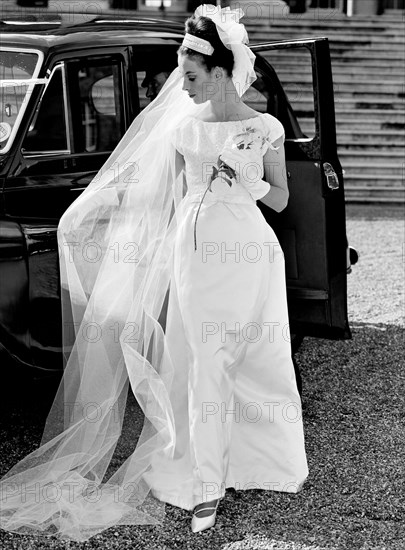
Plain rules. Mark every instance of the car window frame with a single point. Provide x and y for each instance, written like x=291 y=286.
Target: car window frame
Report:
x=22 y=111
x=62 y=58
x=57 y=152
x=88 y=55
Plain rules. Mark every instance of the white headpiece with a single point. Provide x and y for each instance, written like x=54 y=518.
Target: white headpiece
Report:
x=234 y=36
x=198 y=44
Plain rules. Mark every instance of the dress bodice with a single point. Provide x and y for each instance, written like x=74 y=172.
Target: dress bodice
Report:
x=200 y=142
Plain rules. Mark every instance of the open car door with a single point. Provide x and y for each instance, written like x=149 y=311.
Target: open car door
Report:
x=294 y=83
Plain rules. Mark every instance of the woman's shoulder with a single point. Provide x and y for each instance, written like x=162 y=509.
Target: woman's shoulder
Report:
x=274 y=131
x=273 y=125
x=271 y=119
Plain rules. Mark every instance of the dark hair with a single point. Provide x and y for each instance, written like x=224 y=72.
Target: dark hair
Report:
x=205 y=28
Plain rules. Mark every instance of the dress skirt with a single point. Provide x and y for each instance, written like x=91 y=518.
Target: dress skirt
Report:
x=237 y=411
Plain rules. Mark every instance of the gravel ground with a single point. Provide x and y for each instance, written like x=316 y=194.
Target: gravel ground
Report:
x=376 y=284
x=353 y=404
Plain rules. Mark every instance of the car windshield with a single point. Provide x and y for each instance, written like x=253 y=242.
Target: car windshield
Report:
x=18 y=71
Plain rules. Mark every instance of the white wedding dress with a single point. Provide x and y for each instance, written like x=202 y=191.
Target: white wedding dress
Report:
x=219 y=395
x=237 y=411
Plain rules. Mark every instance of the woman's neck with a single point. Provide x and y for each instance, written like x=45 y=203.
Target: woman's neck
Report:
x=223 y=111
x=226 y=104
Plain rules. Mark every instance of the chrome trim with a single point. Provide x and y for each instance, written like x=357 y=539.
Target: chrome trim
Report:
x=31 y=154
x=66 y=106
x=59 y=66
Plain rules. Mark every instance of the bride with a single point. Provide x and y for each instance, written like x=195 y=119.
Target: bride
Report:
x=172 y=214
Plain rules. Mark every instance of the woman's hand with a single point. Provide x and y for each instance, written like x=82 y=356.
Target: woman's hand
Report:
x=246 y=163
x=248 y=167
x=276 y=173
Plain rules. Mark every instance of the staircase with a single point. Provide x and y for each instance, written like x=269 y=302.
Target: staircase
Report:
x=368 y=64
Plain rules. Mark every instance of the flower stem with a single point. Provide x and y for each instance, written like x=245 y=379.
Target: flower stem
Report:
x=196 y=216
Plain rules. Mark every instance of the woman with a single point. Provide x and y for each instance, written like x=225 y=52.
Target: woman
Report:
x=217 y=386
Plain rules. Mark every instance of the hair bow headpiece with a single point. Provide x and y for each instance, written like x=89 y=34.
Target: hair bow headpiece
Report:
x=234 y=36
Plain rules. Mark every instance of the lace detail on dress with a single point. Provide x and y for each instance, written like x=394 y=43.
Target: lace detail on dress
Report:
x=201 y=142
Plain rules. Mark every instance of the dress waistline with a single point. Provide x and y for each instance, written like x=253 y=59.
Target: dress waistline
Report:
x=215 y=197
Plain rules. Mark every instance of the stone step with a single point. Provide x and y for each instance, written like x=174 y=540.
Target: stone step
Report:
x=371 y=123
x=395 y=155
x=349 y=88
x=374 y=194
x=391 y=115
x=358 y=28
x=338 y=22
x=347 y=41
x=371 y=126
x=308 y=128
x=338 y=49
x=371 y=145
x=297 y=94
x=374 y=168
x=365 y=63
x=351 y=157
x=369 y=180
x=381 y=136
x=342 y=72
x=345 y=80
x=306 y=104
x=298 y=64
x=342 y=55
x=346 y=125
x=391 y=12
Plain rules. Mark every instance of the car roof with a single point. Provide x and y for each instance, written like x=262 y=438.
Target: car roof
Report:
x=100 y=31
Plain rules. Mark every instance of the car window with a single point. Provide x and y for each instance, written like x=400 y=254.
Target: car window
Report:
x=48 y=132
x=142 y=89
x=18 y=72
x=150 y=84
x=96 y=99
x=153 y=66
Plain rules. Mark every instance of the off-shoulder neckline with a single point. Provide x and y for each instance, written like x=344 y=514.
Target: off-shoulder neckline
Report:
x=228 y=121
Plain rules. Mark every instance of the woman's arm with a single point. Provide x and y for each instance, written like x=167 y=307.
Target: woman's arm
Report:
x=275 y=173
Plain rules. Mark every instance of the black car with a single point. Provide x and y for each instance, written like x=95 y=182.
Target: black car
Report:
x=68 y=94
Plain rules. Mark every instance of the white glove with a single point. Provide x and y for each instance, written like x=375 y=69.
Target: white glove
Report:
x=248 y=167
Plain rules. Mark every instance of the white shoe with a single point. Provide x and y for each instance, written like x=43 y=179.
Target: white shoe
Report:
x=199 y=523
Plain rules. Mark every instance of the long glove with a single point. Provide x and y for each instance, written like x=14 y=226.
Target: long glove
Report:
x=248 y=167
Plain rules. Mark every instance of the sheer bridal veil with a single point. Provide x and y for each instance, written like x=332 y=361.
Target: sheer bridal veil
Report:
x=115 y=249
x=115 y=244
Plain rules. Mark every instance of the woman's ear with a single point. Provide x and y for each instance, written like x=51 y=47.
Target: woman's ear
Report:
x=218 y=73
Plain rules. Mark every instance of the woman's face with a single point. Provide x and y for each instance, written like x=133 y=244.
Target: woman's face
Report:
x=198 y=83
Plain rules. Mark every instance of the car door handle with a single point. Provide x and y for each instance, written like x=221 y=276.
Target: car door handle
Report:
x=331 y=177
x=78 y=188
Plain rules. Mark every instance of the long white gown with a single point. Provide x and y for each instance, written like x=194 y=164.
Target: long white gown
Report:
x=236 y=406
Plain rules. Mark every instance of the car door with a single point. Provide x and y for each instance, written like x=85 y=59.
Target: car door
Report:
x=80 y=117
x=295 y=84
